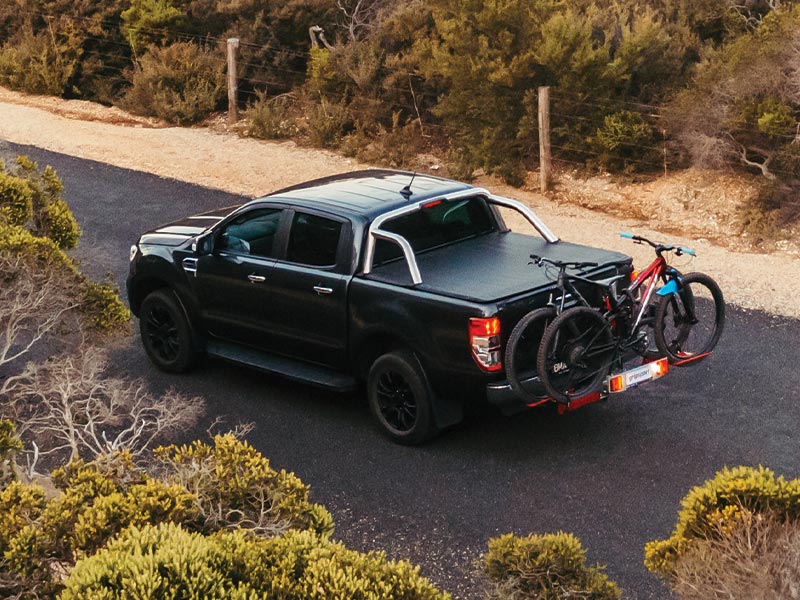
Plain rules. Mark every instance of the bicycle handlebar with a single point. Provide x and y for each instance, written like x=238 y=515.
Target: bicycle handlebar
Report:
x=539 y=260
x=659 y=247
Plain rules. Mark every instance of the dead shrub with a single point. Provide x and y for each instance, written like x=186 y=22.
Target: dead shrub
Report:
x=758 y=558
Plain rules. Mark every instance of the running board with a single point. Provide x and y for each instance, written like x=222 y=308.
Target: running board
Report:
x=288 y=368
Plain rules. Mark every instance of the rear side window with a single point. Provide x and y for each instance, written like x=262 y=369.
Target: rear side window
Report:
x=436 y=225
x=313 y=240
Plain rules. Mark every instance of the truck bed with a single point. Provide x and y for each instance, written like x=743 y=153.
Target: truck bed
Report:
x=490 y=267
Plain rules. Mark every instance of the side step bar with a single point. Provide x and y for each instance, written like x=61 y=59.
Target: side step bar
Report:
x=288 y=368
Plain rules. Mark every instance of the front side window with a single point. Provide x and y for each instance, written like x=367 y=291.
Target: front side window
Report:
x=313 y=240
x=252 y=233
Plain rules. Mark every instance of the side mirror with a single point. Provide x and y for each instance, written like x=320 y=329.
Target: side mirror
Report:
x=203 y=244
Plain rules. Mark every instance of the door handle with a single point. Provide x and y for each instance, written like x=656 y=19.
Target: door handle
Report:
x=322 y=290
x=256 y=278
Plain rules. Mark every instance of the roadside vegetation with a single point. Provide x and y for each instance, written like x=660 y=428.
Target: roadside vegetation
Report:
x=93 y=506
x=636 y=88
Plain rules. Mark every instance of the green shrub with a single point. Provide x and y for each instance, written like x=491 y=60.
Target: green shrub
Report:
x=719 y=505
x=235 y=486
x=51 y=217
x=42 y=252
x=151 y=22
x=544 y=567
x=9 y=446
x=167 y=562
x=181 y=83
x=625 y=142
x=270 y=118
x=103 y=308
x=16 y=200
x=42 y=62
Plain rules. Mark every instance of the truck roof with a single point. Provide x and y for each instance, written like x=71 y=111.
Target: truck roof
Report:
x=370 y=192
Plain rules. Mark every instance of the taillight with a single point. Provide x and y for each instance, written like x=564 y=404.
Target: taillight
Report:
x=484 y=339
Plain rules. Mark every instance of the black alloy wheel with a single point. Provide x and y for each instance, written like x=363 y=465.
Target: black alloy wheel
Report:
x=400 y=398
x=167 y=334
x=162 y=334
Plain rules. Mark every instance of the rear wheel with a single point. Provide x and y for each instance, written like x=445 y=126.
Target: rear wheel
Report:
x=575 y=354
x=522 y=350
x=400 y=398
x=166 y=332
x=689 y=323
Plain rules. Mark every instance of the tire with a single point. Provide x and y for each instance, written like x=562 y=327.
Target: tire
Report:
x=400 y=398
x=575 y=354
x=167 y=334
x=689 y=323
x=522 y=350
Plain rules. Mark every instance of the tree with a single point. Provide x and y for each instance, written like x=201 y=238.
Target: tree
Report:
x=744 y=103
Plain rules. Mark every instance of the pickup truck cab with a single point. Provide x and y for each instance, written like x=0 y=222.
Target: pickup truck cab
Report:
x=408 y=284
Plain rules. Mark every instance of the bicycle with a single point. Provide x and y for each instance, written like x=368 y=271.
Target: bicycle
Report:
x=580 y=345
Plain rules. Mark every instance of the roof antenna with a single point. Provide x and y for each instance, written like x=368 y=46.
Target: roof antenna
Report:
x=406 y=191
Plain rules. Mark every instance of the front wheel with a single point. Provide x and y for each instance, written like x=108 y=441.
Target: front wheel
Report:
x=688 y=324
x=400 y=398
x=575 y=355
x=521 y=352
x=166 y=332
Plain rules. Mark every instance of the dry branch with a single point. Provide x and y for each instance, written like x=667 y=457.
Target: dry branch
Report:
x=71 y=409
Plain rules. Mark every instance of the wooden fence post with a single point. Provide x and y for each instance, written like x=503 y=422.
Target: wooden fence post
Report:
x=544 y=138
x=233 y=86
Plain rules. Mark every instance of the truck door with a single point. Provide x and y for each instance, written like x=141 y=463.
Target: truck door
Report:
x=233 y=283
x=309 y=290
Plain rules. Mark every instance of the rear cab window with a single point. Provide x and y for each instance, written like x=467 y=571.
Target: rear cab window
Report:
x=436 y=224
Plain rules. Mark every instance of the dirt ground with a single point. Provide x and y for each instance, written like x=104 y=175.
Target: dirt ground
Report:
x=693 y=208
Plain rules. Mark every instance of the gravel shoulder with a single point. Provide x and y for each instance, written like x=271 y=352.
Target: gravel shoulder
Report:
x=252 y=168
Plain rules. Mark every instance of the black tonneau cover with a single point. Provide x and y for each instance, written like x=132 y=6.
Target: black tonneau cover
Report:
x=490 y=267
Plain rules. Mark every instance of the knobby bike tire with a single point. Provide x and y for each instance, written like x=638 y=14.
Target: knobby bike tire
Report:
x=688 y=324
x=575 y=354
x=522 y=349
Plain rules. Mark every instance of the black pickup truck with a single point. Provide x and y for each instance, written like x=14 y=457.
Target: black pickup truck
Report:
x=407 y=283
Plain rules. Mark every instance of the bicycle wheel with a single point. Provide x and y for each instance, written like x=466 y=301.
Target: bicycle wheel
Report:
x=575 y=354
x=689 y=323
x=521 y=351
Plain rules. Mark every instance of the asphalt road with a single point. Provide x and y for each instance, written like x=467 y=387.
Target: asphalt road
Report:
x=611 y=473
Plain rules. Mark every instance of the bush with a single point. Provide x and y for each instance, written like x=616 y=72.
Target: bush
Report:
x=150 y=22
x=328 y=123
x=42 y=62
x=624 y=142
x=235 y=486
x=9 y=447
x=544 y=567
x=714 y=509
x=168 y=562
x=103 y=307
x=182 y=83
x=758 y=558
x=50 y=216
x=16 y=200
x=270 y=118
x=41 y=537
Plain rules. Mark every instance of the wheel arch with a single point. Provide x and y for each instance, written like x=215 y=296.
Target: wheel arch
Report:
x=446 y=411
